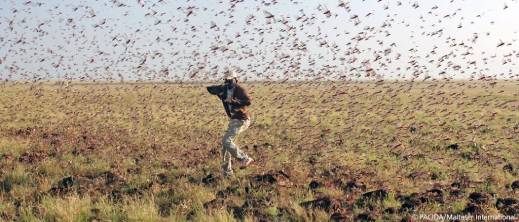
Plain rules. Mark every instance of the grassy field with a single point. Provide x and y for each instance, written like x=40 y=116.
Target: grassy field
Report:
x=324 y=151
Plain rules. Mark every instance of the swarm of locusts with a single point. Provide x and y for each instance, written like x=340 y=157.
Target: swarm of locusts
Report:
x=105 y=114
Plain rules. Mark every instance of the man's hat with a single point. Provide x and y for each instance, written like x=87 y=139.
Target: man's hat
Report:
x=230 y=74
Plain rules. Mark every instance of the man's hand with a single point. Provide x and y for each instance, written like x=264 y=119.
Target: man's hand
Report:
x=236 y=102
x=232 y=101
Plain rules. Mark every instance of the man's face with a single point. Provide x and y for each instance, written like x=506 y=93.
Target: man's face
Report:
x=230 y=82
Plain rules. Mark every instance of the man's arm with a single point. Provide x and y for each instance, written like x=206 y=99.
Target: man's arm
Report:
x=242 y=97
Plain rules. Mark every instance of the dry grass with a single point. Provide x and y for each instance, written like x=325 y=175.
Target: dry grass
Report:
x=140 y=152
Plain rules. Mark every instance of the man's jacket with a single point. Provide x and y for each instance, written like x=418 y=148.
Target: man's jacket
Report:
x=238 y=107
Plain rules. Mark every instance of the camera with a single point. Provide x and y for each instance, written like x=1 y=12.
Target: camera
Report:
x=216 y=89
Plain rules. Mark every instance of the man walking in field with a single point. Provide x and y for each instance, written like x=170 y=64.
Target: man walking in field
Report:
x=236 y=101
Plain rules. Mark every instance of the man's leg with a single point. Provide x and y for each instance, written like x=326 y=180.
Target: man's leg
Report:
x=231 y=132
x=247 y=161
x=245 y=126
x=226 y=162
x=235 y=127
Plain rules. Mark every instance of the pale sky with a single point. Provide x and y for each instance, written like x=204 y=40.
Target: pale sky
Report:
x=195 y=40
